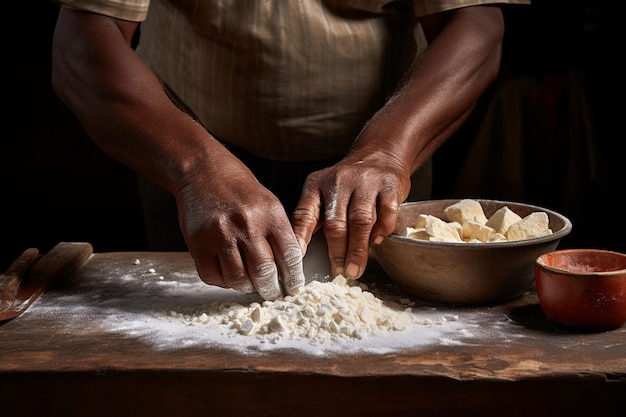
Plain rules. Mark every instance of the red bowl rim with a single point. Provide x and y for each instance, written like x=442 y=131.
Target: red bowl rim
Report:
x=540 y=262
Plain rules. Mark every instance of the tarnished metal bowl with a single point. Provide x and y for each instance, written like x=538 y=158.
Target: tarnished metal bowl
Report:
x=465 y=273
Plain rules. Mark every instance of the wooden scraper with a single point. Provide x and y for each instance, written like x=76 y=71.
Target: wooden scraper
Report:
x=29 y=275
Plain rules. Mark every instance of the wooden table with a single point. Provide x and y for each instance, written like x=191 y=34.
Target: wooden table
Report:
x=60 y=360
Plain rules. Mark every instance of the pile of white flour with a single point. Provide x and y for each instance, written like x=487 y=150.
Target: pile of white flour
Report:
x=322 y=312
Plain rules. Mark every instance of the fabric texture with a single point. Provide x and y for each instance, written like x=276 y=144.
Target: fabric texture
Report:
x=283 y=80
x=133 y=10
x=286 y=85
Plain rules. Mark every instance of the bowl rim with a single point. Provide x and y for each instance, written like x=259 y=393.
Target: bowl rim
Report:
x=540 y=263
x=559 y=234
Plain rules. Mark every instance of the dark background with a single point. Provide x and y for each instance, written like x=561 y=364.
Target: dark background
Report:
x=57 y=186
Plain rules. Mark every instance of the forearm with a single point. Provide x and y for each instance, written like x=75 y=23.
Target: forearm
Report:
x=121 y=103
x=439 y=92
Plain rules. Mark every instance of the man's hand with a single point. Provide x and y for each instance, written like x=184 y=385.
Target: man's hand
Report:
x=355 y=203
x=235 y=229
x=238 y=232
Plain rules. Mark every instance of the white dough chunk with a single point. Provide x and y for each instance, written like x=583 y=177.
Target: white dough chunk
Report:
x=421 y=221
x=465 y=210
x=475 y=231
x=441 y=231
x=465 y=221
x=502 y=219
x=419 y=234
x=497 y=237
x=532 y=226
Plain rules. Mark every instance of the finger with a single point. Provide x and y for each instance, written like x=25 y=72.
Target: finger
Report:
x=233 y=270
x=289 y=262
x=209 y=270
x=305 y=218
x=336 y=231
x=386 y=216
x=361 y=219
x=262 y=269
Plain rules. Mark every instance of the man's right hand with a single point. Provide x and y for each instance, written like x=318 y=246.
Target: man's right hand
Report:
x=237 y=231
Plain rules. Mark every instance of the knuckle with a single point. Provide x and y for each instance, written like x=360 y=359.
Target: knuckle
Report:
x=359 y=254
x=334 y=228
x=293 y=257
x=361 y=217
x=386 y=223
x=303 y=215
x=239 y=281
x=265 y=270
x=275 y=209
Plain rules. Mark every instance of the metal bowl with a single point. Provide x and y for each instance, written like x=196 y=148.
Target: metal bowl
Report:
x=465 y=273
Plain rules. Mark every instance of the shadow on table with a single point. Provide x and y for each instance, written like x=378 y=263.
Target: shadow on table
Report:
x=532 y=317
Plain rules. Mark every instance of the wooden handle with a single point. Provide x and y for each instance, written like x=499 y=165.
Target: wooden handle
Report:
x=10 y=280
x=62 y=260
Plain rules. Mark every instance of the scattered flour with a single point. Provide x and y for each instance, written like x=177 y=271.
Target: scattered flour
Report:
x=173 y=311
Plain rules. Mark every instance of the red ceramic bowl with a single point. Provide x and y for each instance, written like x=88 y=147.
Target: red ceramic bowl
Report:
x=583 y=288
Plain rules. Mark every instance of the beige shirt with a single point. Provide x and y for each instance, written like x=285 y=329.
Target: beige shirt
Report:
x=285 y=80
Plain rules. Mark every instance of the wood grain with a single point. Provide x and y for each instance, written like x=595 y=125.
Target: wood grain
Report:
x=538 y=370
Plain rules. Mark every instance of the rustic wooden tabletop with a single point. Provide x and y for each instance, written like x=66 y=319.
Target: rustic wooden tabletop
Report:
x=103 y=342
